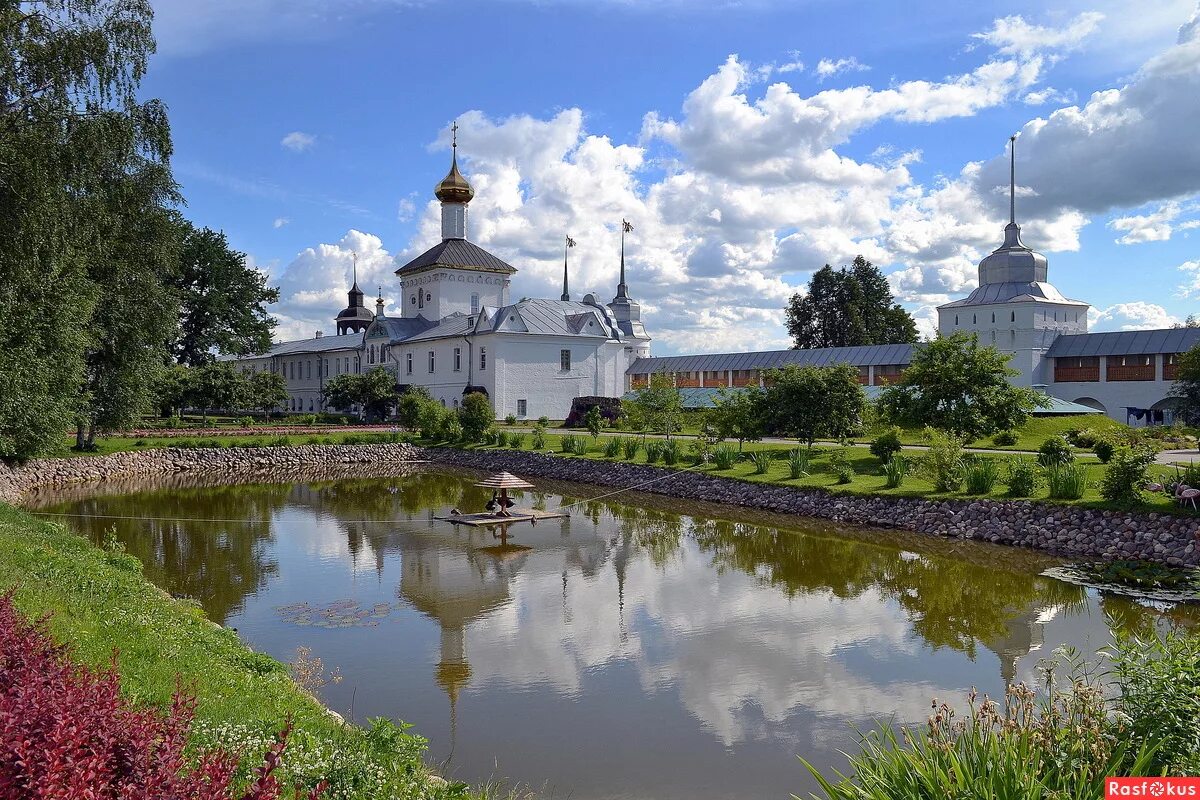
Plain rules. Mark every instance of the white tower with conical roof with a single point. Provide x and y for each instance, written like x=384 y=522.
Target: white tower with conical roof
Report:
x=1015 y=308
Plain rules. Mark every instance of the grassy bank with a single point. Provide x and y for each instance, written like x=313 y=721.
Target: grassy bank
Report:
x=99 y=603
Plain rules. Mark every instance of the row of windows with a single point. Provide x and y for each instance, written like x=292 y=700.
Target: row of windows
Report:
x=422 y=297
x=303 y=370
x=408 y=360
x=1012 y=317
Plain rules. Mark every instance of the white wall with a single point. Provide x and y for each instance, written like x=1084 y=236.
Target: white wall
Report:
x=528 y=369
x=1025 y=330
x=438 y=293
x=1115 y=396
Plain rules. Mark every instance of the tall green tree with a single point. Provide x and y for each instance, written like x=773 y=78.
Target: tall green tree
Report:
x=847 y=307
x=657 y=407
x=1186 y=390
x=217 y=386
x=956 y=385
x=77 y=149
x=267 y=391
x=810 y=403
x=475 y=415
x=374 y=391
x=222 y=300
x=740 y=414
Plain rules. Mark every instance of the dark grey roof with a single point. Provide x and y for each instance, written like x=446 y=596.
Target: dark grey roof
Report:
x=457 y=253
x=554 y=317
x=453 y=325
x=1125 y=343
x=1013 y=292
x=356 y=313
x=869 y=355
x=399 y=328
x=323 y=344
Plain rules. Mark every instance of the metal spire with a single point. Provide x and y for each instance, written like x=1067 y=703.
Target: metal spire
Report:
x=1012 y=179
x=566 y=292
x=354 y=259
x=622 y=289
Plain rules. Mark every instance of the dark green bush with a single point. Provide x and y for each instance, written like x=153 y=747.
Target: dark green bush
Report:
x=1125 y=475
x=1005 y=439
x=1104 y=450
x=1022 y=477
x=886 y=444
x=1055 y=450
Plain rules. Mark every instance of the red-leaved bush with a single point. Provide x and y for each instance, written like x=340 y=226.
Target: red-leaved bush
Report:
x=66 y=732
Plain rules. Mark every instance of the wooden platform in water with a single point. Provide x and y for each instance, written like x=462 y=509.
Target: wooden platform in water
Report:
x=514 y=515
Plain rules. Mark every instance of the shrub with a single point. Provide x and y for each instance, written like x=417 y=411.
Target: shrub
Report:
x=724 y=456
x=1022 y=477
x=516 y=441
x=943 y=462
x=1066 y=481
x=981 y=475
x=139 y=443
x=1158 y=696
x=670 y=452
x=539 y=438
x=1062 y=743
x=68 y=729
x=567 y=443
x=839 y=462
x=510 y=419
x=580 y=446
x=502 y=439
x=886 y=444
x=1055 y=450
x=610 y=410
x=654 y=450
x=1083 y=437
x=543 y=421
x=1104 y=450
x=1005 y=439
x=895 y=471
x=1125 y=474
x=594 y=421
x=761 y=459
x=449 y=429
x=631 y=446
x=798 y=463
x=172 y=422
x=246 y=422
x=612 y=447
x=475 y=415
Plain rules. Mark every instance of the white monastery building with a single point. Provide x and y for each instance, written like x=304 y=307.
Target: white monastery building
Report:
x=458 y=332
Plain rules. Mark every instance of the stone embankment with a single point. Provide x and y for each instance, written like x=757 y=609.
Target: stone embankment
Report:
x=231 y=464
x=1066 y=530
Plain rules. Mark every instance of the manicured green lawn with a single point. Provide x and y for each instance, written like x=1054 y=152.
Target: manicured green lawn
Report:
x=99 y=604
x=867 y=478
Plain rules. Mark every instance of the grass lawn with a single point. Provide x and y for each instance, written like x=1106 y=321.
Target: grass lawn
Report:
x=867 y=477
x=99 y=603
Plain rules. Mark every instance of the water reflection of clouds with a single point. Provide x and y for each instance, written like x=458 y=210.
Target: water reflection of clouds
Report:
x=742 y=660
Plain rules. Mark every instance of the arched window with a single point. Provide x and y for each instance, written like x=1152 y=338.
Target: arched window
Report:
x=974 y=319
x=475 y=303
x=310 y=404
x=993 y=317
x=956 y=319
x=1014 y=317
x=420 y=299
x=431 y=366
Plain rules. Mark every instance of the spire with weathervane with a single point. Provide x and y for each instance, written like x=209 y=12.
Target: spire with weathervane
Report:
x=455 y=193
x=622 y=288
x=566 y=292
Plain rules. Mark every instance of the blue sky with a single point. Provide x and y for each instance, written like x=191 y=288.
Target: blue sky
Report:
x=749 y=143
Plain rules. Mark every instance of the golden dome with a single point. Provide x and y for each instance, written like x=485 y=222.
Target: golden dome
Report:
x=454 y=187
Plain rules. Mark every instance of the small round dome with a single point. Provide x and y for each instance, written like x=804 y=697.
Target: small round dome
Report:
x=454 y=187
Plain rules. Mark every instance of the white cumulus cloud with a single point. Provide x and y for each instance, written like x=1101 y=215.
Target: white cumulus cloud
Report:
x=298 y=141
x=1135 y=316
x=827 y=68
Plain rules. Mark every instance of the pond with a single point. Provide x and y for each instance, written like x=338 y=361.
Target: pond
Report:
x=625 y=651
